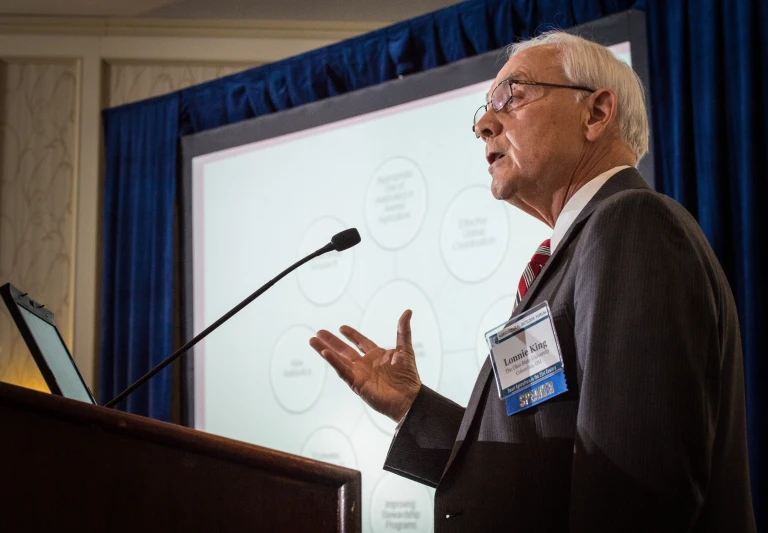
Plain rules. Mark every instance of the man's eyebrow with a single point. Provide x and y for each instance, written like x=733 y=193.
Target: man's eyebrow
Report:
x=516 y=75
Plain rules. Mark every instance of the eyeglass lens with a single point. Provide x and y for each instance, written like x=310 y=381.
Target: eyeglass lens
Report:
x=499 y=98
x=501 y=95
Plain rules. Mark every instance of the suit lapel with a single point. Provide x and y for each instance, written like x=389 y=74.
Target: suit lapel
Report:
x=624 y=180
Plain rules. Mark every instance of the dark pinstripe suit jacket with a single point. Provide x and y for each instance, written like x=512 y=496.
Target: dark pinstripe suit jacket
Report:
x=651 y=435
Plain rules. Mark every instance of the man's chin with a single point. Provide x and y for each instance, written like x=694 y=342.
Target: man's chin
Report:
x=502 y=190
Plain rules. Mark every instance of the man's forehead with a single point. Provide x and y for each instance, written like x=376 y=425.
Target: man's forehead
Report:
x=530 y=64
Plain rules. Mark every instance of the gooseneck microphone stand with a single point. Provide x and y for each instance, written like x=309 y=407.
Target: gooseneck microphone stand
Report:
x=340 y=241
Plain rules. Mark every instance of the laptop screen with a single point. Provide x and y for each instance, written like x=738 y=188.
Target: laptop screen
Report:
x=57 y=357
x=38 y=329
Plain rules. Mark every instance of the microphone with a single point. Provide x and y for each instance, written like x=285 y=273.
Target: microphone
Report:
x=341 y=241
x=346 y=239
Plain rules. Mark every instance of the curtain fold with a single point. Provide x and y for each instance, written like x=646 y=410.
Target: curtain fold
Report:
x=709 y=95
x=137 y=271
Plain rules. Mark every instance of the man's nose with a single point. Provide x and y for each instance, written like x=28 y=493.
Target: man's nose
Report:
x=488 y=126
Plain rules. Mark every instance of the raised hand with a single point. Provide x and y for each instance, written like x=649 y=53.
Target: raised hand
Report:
x=387 y=380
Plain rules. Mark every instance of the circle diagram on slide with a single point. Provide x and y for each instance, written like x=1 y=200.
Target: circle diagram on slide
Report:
x=324 y=279
x=474 y=234
x=396 y=203
x=297 y=373
x=330 y=445
x=400 y=505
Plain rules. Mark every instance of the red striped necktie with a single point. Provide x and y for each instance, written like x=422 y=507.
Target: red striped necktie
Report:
x=535 y=265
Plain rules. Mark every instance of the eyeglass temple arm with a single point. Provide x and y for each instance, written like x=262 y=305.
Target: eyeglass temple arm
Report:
x=526 y=82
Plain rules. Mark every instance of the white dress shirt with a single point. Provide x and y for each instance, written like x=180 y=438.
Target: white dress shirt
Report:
x=577 y=202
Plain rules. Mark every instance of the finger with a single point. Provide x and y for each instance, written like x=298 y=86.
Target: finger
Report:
x=318 y=345
x=341 y=365
x=328 y=353
x=337 y=345
x=363 y=343
x=404 y=342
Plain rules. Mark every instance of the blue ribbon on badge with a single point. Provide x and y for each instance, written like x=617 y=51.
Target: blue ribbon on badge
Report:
x=536 y=393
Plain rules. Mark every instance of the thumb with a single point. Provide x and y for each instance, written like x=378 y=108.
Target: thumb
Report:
x=404 y=342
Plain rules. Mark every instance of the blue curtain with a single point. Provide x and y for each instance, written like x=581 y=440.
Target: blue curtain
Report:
x=412 y=46
x=709 y=94
x=137 y=272
x=141 y=145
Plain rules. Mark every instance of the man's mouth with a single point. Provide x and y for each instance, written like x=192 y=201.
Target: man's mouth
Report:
x=492 y=157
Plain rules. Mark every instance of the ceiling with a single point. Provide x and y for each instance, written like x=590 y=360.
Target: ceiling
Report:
x=321 y=10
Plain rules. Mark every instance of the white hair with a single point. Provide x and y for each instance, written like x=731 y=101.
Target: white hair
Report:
x=589 y=64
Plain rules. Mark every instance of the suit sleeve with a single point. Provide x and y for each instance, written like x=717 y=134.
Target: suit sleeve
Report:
x=423 y=443
x=646 y=327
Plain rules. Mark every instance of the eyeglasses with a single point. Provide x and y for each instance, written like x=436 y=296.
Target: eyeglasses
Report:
x=502 y=95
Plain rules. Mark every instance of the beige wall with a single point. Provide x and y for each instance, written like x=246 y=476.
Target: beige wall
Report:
x=57 y=75
x=36 y=197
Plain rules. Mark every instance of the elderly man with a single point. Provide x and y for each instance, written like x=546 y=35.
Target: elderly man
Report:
x=650 y=435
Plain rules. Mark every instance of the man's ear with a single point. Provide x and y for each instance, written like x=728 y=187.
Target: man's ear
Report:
x=602 y=106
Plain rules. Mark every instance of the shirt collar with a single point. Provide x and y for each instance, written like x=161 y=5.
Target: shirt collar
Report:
x=577 y=202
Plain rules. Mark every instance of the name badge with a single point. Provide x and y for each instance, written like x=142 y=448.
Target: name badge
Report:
x=526 y=360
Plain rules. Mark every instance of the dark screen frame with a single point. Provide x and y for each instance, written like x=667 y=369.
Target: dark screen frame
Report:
x=620 y=27
x=14 y=299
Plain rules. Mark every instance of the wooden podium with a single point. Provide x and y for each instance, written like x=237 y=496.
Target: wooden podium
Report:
x=70 y=466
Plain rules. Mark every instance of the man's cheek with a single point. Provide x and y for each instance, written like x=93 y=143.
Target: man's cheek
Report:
x=515 y=157
x=514 y=142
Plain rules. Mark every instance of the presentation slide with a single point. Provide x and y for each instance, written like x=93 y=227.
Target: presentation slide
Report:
x=413 y=180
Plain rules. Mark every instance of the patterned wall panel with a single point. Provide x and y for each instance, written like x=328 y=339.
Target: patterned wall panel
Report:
x=37 y=178
x=129 y=82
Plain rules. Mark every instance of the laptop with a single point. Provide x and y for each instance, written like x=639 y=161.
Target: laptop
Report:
x=38 y=329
